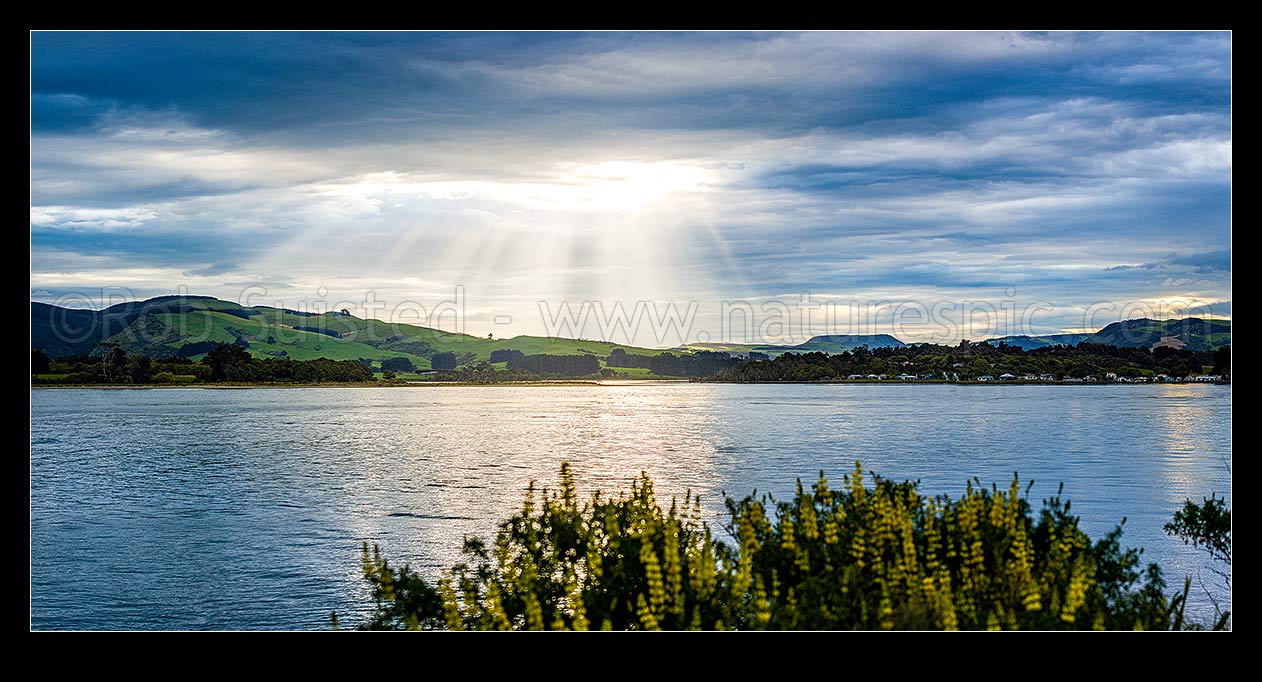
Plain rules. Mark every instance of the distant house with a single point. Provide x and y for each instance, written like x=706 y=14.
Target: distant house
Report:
x=1110 y=376
x=1028 y=377
x=852 y=377
x=906 y=377
x=927 y=375
x=957 y=365
x=1007 y=377
x=1047 y=377
x=1072 y=380
x=985 y=377
x=1090 y=379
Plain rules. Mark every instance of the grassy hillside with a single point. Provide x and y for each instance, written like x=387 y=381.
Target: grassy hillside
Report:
x=164 y=326
x=1192 y=333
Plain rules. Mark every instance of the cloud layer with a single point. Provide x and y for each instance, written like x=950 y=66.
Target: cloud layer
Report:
x=1054 y=170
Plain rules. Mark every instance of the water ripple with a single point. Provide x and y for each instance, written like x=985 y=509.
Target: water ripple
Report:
x=200 y=509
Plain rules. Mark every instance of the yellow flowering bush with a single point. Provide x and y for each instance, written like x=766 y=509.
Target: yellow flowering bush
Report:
x=884 y=557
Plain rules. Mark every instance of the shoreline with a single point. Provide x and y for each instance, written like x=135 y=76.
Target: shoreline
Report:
x=611 y=382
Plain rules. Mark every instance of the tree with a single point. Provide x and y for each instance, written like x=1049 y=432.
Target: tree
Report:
x=228 y=362
x=506 y=354
x=139 y=369
x=1222 y=360
x=1207 y=526
x=39 y=362
x=398 y=365
x=112 y=359
x=388 y=375
x=444 y=361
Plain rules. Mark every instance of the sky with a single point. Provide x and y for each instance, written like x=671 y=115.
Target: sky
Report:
x=650 y=188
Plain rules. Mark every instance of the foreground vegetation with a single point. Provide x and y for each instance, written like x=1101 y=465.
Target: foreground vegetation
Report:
x=856 y=557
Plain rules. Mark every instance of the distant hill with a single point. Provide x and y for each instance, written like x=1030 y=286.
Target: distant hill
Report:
x=834 y=343
x=1193 y=333
x=1025 y=342
x=190 y=325
x=838 y=343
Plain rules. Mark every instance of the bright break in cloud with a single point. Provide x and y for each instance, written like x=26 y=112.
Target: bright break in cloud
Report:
x=1059 y=171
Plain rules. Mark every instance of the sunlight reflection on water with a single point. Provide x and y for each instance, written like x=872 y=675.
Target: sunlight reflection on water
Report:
x=192 y=508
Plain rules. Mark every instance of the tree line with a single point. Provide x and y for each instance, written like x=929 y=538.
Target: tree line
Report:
x=556 y=365
x=229 y=362
x=969 y=361
x=223 y=362
x=964 y=362
x=697 y=364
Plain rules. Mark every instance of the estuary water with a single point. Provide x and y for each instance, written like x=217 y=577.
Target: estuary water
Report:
x=244 y=509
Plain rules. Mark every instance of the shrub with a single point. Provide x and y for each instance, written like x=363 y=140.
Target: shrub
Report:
x=163 y=378
x=884 y=557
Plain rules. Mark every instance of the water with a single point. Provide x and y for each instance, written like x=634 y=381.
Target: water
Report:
x=245 y=509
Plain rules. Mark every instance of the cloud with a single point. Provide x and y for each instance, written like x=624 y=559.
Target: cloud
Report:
x=1073 y=168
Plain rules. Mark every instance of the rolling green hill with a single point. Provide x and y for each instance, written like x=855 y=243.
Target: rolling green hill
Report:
x=171 y=325
x=1193 y=333
x=189 y=325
